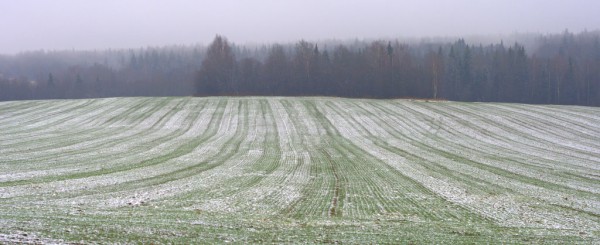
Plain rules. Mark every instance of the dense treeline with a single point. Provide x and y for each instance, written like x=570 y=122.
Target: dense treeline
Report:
x=553 y=69
x=563 y=69
x=167 y=71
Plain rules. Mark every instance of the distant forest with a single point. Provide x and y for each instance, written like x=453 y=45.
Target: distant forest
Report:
x=553 y=69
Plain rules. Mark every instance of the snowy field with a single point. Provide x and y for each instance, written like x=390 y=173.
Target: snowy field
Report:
x=316 y=170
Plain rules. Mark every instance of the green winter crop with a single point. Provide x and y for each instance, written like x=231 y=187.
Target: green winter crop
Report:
x=297 y=170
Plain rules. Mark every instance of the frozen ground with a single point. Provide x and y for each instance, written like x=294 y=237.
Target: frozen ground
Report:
x=276 y=170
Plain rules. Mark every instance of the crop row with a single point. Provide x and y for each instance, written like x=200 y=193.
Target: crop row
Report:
x=254 y=167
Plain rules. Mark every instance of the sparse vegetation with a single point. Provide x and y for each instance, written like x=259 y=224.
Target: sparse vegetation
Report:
x=316 y=170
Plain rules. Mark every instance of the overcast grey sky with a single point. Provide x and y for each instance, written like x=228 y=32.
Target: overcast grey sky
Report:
x=102 y=24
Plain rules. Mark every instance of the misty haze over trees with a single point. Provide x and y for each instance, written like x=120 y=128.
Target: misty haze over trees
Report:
x=555 y=69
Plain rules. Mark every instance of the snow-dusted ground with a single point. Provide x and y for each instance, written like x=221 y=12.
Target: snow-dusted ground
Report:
x=289 y=163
